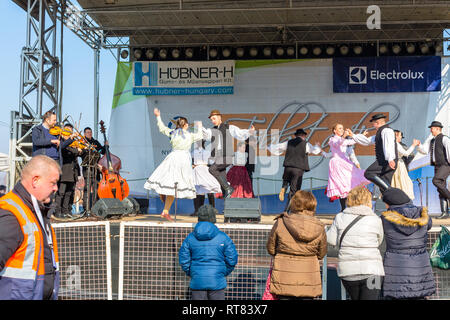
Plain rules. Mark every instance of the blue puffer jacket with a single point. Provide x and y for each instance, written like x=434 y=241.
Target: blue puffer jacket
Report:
x=207 y=255
x=407 y=267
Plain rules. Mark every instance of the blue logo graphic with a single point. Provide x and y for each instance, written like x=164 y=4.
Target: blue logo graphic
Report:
x=151 y=73
x=357 y=75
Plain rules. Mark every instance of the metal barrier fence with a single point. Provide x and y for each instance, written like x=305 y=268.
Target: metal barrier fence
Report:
x=148 y=265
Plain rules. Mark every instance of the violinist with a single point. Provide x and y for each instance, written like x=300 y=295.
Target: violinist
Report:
x=69 y=177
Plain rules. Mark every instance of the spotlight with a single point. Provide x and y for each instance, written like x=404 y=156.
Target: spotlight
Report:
x=438 y=47
x=424 y=48
x=267 y=51
x=175 y=53
x=253 y=52
x=330 y=51
x=317 y=51
x=137 y=53
x=149 y=53
x=304 y=51
x=163 y=53
x=279 y=51
x=240 y=52
x=396 y=49
x=357 y=49
x=383 y=49
x=410 y=48
x=290 y=51
x=344 y=50
x=213 y=52
x=124 y=54
x=226 y=52
x=189 y=53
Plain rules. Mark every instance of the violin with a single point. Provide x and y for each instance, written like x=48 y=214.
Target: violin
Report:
x=112 y=184
x=58 y=131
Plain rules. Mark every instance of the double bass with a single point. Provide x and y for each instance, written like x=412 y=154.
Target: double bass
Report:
x=112 y=184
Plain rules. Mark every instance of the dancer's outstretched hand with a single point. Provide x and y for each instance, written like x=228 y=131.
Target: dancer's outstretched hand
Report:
x=156 y=112
x=416 y=142
x=348 y=132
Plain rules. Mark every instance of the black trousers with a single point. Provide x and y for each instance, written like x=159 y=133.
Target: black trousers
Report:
x=208 y=294
x=64 y=198
x=359 y=290
x=384 y=172
x=199 y=200
x=90 y=190
x=219 y=171
x=440 y=181
x=295 y=178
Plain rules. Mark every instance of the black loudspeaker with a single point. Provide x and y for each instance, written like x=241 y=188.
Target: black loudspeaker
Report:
x=132 y=204
x=242 y=210
x=105 y=208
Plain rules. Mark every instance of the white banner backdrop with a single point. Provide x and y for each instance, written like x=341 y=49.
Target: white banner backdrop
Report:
x=272 y=95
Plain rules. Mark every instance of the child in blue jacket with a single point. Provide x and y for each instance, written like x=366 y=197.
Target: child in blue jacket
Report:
x=207 y=255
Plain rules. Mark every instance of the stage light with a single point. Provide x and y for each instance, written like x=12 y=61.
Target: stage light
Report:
x=424 y=48
x=396 y=49
x=357 y=50
x=267 y=51
x=137 y=53
x=175 y=53
x=124 y=54
x=226 y=52
x=240 y=52
x=330 y=51
x=290 y=51
x=383 y=49
x=163 y=53
x=317 y=51
x=213 y=52
x=438 y=47
x=410 y=48
x=344 y=50
x=149 y=53
x=253 y=52
x=279 y=51
x=189 y=53
x=304 y=51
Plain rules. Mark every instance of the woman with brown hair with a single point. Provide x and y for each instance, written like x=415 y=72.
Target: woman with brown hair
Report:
x=297 y=242
x=175 y=170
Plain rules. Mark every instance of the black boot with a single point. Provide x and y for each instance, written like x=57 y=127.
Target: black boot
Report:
x=343 y=201
x=444 y=209
x=228 y=190
x=211 y=199
x=383 y=185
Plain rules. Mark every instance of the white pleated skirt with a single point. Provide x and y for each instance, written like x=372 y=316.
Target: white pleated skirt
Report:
x=204 y=181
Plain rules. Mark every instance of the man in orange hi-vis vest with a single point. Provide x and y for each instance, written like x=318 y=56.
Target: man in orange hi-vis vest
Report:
x=29 y=264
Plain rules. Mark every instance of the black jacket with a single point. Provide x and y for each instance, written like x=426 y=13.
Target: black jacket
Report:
x=11 y=237
x=70 y=168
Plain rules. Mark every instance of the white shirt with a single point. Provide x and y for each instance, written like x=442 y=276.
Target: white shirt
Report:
x=388 y=137
x=179 y=139
x=424 y=148
x=235 y=132
x=240 y=158
x=200 y=156
x=279 y=148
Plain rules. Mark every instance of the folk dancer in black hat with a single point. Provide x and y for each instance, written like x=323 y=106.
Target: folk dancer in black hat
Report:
x=438 y=147
x=221 y=137
x=381 y=171
x=295 y=162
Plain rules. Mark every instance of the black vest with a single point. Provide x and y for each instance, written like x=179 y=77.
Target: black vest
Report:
x=379 y=152
x=225 y=154
x=296 y=156
x=440 y=154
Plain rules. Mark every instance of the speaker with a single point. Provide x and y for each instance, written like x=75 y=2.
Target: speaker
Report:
x=242 y=210
x=132 y=204
x=105 y=208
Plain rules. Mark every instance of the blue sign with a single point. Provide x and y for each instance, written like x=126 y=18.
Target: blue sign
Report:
x=387 y=74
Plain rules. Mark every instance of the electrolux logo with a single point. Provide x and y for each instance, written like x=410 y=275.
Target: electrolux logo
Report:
x=357 y=75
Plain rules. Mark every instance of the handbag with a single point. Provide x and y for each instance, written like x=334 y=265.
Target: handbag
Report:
x=267 y=295
x=348 y=228
x=440 y=251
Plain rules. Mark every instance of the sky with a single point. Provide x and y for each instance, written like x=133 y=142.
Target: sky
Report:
x=78 y=73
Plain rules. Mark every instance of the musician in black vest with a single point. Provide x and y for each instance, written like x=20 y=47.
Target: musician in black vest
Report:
x=295 y=162
x=381 y=171
x=438 y=148
x=222 y=151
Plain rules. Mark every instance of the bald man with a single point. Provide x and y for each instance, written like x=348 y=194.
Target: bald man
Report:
x=25 y=228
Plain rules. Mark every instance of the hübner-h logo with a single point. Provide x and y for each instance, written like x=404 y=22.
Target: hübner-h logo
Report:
x=145 y=74
x=357 y=75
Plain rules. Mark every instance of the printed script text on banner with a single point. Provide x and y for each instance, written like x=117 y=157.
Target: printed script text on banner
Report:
x=387 y=74
x=183 y=77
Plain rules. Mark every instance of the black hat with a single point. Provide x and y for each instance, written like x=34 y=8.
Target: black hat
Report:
x=394 y=196
x=207 y=213
x=436 y=124
x=300 y=132
x=377 y=116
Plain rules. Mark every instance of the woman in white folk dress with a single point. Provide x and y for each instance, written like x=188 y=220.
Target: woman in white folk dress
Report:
x=176 y=168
